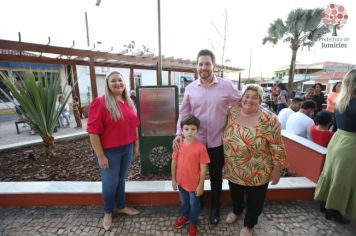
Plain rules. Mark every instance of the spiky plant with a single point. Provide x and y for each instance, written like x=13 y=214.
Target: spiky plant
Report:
x=301 y=29
x=38 y=101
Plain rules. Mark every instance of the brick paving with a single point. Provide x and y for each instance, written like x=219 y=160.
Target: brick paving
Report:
x=278 y=218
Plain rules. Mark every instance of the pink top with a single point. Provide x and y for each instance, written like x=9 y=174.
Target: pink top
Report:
x=209 y=104
x=112 y=133
x=331 y=101
x=189 y=157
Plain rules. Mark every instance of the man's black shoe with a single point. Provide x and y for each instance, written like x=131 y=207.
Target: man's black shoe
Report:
x=214 y=216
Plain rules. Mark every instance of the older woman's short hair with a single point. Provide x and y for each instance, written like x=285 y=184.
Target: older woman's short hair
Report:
x=254 y=87
x=309 y=90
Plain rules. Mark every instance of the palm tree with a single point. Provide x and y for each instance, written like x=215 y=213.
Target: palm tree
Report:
x=301 y=29
x=38 y=103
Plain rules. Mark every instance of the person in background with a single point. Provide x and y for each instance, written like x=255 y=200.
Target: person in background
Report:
x=309 y=94
x=189 y=166
x=208 y=99
x=133 y=96
x=275 y=90
x=320 y=133
x=318 y=97
x=76 y=111
x=300 y=123
x=282 y=97
x=336 y=185
x=331 y=100
x=273 y=104
x=112 y=128
x=254 y=155
x=65 y=113
x=284 y=114
x=333 y=96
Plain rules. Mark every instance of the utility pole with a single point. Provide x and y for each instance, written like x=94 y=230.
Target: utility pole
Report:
x=249 y=68
x=159 y=65
x=87 y=27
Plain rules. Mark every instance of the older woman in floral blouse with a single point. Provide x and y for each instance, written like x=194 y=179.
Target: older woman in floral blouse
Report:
x=254 y=155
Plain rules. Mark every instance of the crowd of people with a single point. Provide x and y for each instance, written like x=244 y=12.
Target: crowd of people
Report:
x=229 y=134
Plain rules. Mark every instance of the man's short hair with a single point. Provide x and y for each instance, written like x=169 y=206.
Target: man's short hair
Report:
x=190 y=120
x=323 y=118
x=297 y=99
x=308 y=104
x=206 y=52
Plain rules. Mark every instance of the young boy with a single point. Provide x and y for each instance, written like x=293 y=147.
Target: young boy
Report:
x=320 y=133
x=76 y=112
x=189 y=165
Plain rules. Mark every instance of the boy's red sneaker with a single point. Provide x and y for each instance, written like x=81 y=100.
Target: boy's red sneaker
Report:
x=180 y=222
x=192 y=230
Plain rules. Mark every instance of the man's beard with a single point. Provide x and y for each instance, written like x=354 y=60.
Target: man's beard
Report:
x=208 y=75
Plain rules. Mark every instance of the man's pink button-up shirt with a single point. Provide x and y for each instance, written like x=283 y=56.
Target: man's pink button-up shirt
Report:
x=209 y=104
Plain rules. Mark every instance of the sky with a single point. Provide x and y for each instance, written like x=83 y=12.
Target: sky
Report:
x=186 y=27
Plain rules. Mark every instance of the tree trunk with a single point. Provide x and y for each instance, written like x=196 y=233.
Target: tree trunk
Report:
x=291 y=71
x=49 y=144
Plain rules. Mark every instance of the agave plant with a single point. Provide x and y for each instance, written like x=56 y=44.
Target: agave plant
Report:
x=38 y=102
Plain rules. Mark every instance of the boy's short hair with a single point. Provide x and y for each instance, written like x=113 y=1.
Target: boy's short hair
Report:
x=297 y=99
x=75 y=98
x=190 y=120
x=323 y=118
x=308 y=104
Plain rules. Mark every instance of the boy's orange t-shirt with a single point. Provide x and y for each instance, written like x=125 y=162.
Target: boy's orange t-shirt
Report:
x=189 y=157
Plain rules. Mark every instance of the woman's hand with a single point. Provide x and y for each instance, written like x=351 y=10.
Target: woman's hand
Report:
x=176 y=142
x=275 y=176
x=103 y=162
x=136 y=153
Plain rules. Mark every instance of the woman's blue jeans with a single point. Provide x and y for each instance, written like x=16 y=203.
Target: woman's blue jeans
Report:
x=113 y=178
x=190 y=205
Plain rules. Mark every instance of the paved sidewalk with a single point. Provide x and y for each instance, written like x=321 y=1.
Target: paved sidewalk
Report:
x=8 y=133
x=278 y=218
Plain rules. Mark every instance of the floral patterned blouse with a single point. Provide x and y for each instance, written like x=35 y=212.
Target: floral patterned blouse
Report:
x=251 y=152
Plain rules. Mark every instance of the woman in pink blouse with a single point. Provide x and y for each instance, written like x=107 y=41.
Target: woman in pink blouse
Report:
x=333 y=96
x=254 y=155
x=112 y=127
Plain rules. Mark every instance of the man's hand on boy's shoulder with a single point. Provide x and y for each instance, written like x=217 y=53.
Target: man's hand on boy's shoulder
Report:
x=177 y=140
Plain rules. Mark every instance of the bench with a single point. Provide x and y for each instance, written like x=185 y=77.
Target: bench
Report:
x=304 y=157
x=20 y=122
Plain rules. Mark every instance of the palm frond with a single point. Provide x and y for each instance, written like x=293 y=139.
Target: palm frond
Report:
x=38 y=100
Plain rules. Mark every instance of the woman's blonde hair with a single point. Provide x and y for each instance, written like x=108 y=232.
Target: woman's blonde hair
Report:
x=348 y=91
x=254 y=87
x=111 y=101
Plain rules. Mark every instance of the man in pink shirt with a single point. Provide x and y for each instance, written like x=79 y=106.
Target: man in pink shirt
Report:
x=208 y=98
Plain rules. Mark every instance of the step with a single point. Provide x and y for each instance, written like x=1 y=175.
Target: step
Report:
x=66 y=193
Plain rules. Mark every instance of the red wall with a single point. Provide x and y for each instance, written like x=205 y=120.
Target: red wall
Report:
x=302 y=160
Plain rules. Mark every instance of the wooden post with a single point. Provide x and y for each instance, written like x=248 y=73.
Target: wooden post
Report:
x=169 y=77
x=76 y=87
x=132 y=79
x=195 y=75
x=94 y=89
x=239 y=83
x=76 y=83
